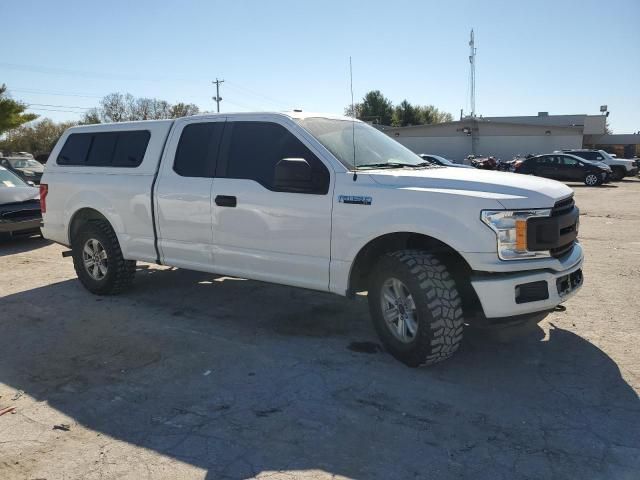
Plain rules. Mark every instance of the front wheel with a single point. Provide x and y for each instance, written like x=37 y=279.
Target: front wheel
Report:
x=591 y=180
x=415 y=307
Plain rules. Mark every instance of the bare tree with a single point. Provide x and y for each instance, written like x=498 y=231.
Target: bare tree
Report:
x=119 y=107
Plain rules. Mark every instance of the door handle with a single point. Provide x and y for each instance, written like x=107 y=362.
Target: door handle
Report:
x=226 y=201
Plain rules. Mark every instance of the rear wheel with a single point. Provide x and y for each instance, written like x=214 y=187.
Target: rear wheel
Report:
x=415 y=307
x=98 y=260
x=591 y=180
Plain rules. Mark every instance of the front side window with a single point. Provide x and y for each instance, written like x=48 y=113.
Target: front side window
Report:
x=589 y=155
x=255 y=148
x=570 y=162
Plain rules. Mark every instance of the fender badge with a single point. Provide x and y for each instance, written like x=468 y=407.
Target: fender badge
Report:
x=355 y=199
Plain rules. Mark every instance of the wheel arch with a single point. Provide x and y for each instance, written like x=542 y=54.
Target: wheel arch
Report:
x=80 y=217
x=457 y=265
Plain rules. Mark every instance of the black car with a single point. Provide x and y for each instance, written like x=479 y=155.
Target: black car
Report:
x=566 y=168
x=19 y=206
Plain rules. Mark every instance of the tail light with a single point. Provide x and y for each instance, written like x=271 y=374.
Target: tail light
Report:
x=44 y=190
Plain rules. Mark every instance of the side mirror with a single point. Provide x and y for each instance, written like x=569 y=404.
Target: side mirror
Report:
x=292 y=174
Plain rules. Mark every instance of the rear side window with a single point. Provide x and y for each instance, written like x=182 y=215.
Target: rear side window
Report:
x=105 y=149
x=197 y=152
x=588 y=155
x=256 y=147
x=75 y=149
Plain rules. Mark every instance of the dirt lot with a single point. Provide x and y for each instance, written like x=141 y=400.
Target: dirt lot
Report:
x=194 y=376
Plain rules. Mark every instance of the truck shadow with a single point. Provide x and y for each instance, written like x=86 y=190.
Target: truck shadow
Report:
x=242 y=378
x=22 y=244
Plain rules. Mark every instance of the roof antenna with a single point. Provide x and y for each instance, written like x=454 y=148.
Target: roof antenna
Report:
x=353 y=124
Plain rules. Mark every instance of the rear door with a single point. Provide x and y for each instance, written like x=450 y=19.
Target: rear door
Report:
x=546 y=166
x=262 y=230
x=183 y=192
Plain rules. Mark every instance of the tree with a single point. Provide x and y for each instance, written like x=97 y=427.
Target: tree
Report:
x=36 y=138
x=429 y=114
x=184 y=110
x=124 y=107
x=374 y=107
x=12 y=112
x=405 y=114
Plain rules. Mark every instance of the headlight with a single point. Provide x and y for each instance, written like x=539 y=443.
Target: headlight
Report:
x=510 y=227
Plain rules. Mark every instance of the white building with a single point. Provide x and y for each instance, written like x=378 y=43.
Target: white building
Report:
x=502 y=137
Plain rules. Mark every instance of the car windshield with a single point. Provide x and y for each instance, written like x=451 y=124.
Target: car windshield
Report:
x=8 y=179
x=23 y=163
x=442 y=160
x=373 y=149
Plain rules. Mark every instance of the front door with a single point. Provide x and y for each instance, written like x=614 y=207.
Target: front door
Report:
x=183 y=193
x=261 y=229
x=571 y=169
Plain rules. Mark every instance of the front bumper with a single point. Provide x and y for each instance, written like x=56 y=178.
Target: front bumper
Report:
x=498 y=292
x=24 y=226
x=632 y=173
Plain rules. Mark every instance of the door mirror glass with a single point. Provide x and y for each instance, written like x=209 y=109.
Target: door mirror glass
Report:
x=293 y=175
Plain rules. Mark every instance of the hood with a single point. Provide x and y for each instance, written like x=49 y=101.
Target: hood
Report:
x=18 y=194
x=512 y=190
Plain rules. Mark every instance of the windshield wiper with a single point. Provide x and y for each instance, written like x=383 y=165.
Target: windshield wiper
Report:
x=395 y=165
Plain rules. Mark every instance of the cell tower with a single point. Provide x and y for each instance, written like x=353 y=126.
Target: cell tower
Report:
x=472 y=76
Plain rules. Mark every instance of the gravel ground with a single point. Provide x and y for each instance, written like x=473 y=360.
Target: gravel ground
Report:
x=189 y=375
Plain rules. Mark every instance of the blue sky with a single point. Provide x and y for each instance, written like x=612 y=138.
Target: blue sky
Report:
x=559 y=56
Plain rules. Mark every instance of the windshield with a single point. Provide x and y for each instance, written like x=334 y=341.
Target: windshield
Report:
x=442 y=160
x=23 y=163
x=373 y=148
x=8 y=179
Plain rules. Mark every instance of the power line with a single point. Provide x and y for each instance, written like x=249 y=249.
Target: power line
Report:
x=46 y=92
x=57 y=106
x=256 y=94
x=55 y=110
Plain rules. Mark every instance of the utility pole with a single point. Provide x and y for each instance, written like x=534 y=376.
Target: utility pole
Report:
x=472 y=77
x=218 y=98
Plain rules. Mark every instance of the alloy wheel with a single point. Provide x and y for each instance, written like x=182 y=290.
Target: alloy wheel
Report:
x=399 y=310
x=95 y=259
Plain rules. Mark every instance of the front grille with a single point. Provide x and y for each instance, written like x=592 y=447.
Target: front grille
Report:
x=556 y=233
x=563 y=206
x=20 y=211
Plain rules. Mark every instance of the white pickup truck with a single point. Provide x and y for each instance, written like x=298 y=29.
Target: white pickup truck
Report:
x=320 y=202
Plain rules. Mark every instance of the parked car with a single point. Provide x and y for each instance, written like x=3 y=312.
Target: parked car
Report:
x=620 y=167
x=26 y=167
x=484 y=163
x=565 y=167
x=443 y=162
x=19 y=206
x=289 y=199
